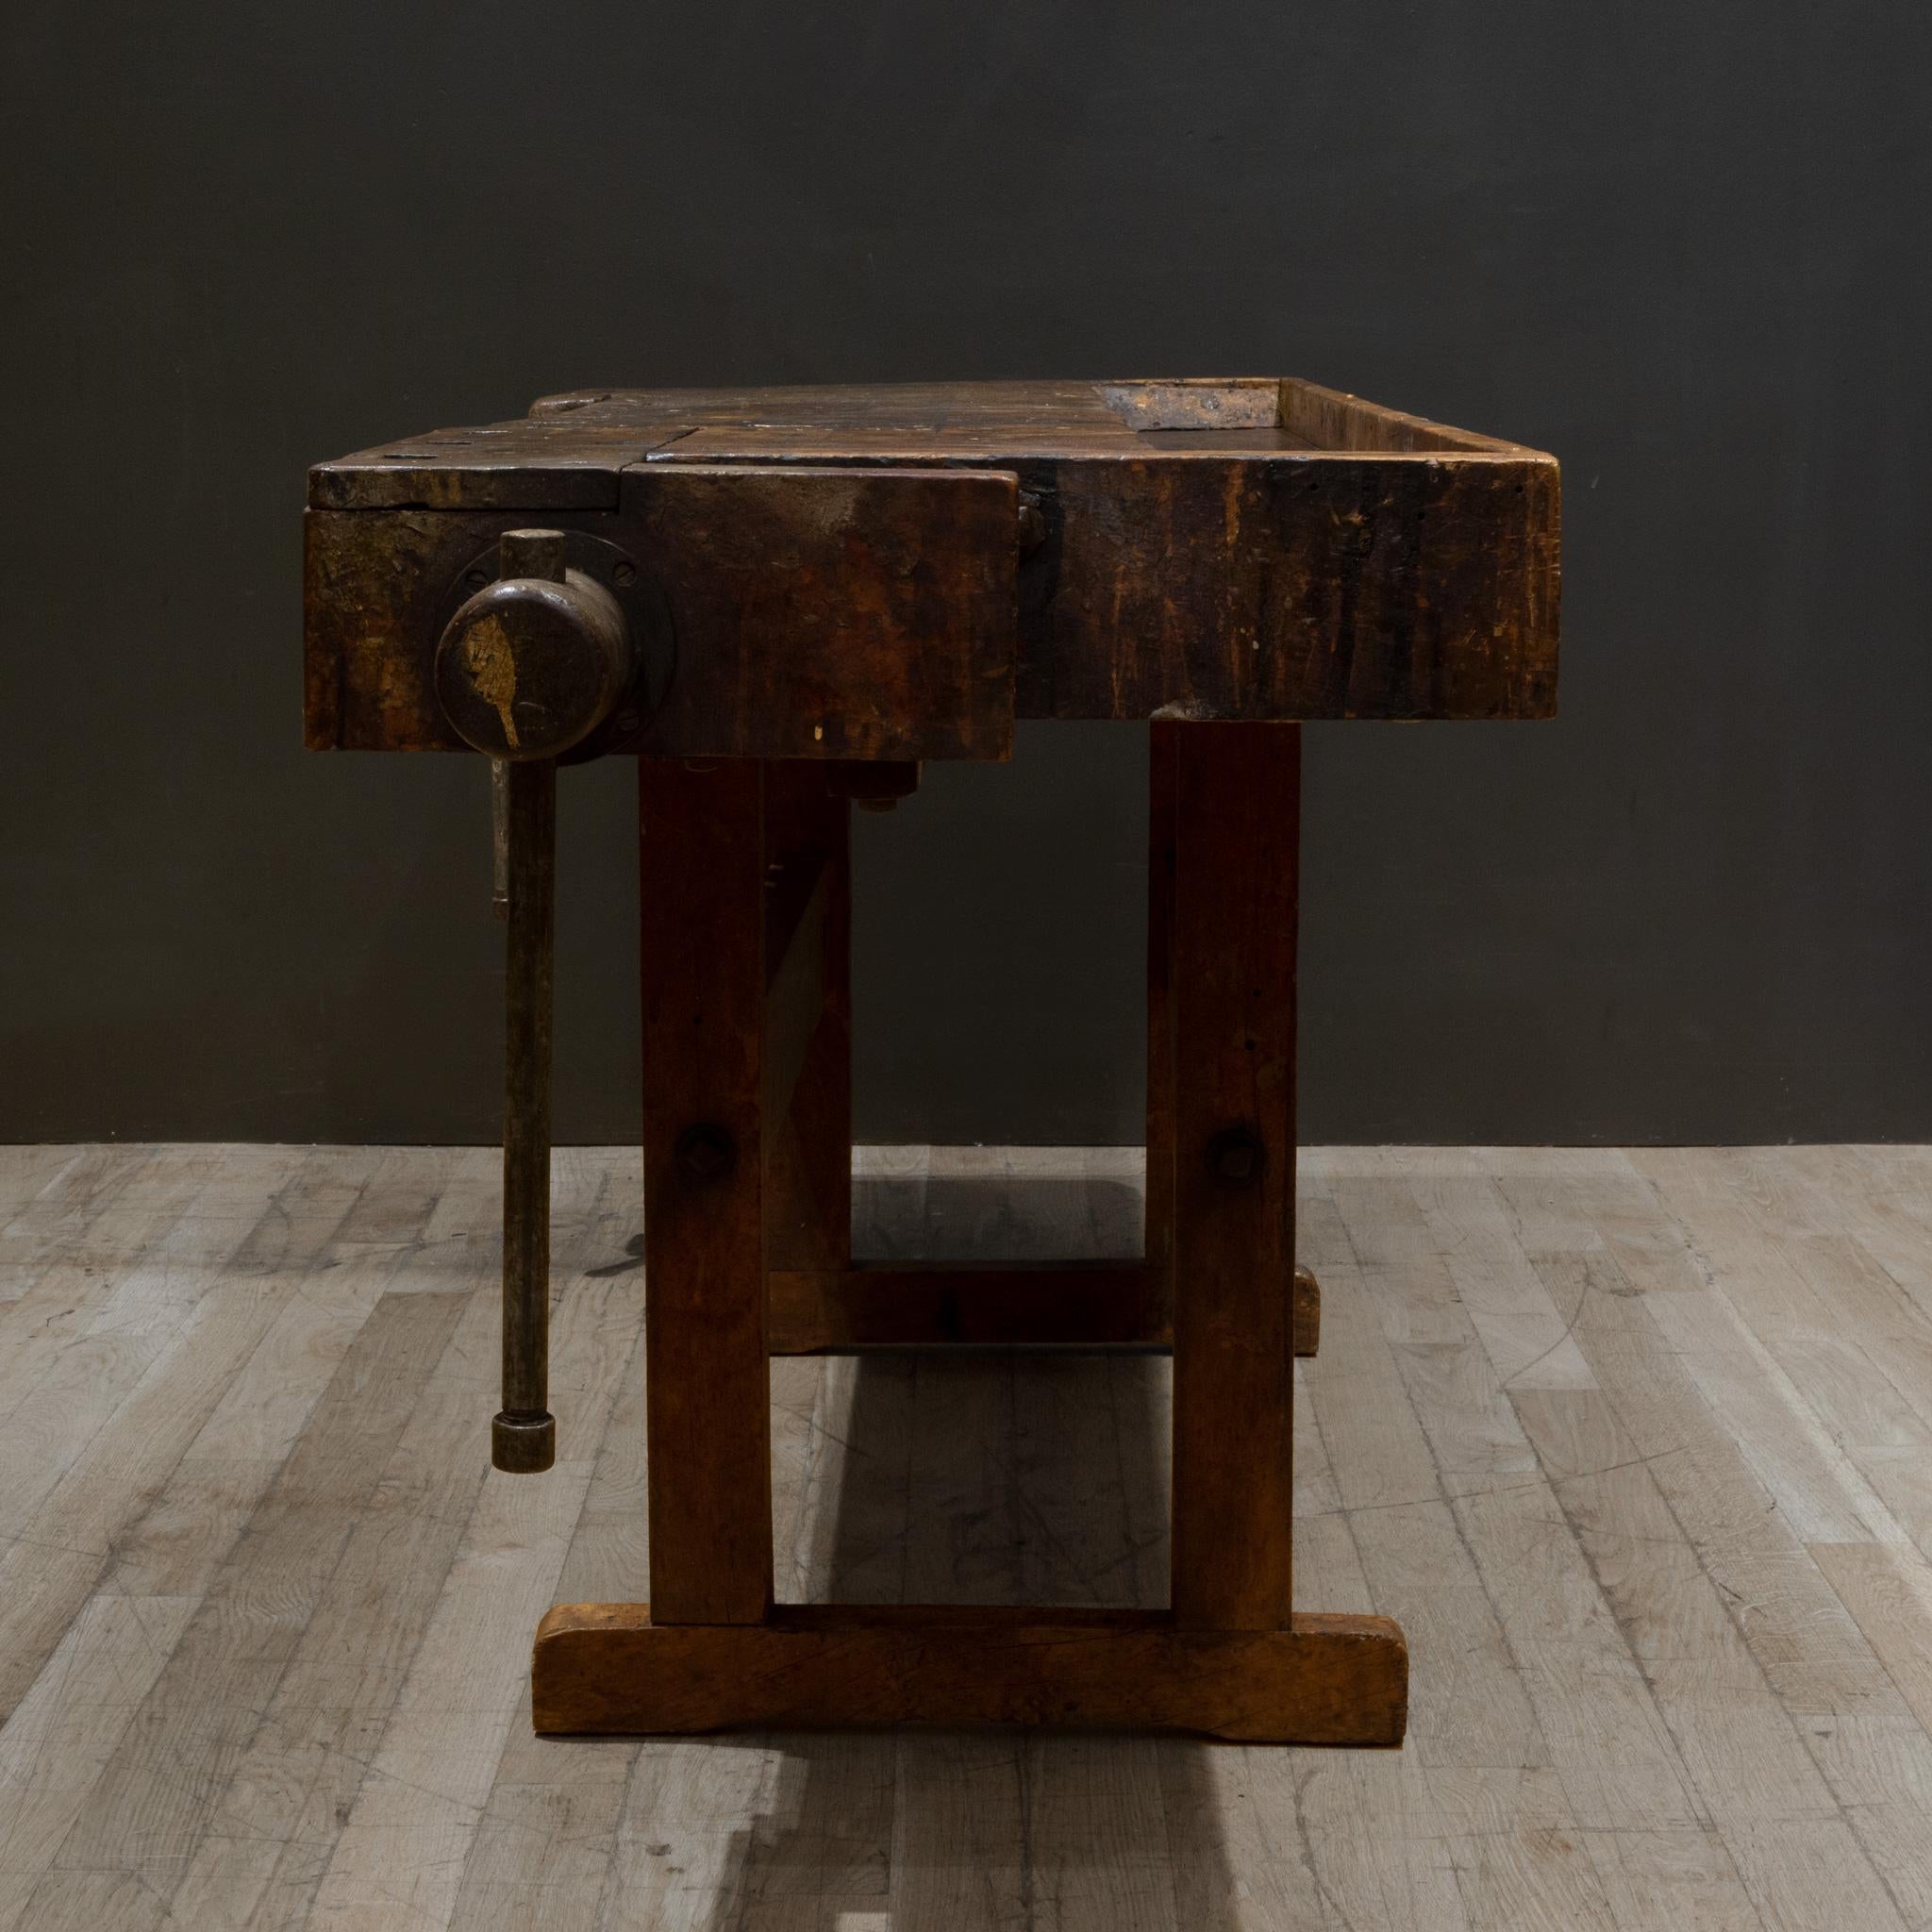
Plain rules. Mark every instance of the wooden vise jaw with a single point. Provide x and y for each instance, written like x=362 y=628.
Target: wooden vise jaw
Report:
x=774 y=611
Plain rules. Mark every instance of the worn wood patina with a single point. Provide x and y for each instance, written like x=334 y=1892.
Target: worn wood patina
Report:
x=780 y=601
x=1254 y=549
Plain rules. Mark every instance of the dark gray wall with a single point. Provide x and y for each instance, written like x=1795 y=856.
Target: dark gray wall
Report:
x=1684 y=247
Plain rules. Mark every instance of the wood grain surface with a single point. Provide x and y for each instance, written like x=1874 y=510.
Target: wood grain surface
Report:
x=1325 y=1680
x=808 y=1125
x=1633 y=1445
x=1074 y=1305
x=1237 y=833
x=702 y=841
x=1246 y=549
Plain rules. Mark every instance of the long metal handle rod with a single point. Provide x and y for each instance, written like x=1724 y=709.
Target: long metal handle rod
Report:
x=524 y=1436
x=499 y=839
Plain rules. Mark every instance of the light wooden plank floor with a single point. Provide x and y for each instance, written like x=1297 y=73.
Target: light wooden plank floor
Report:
x=1638 y=1445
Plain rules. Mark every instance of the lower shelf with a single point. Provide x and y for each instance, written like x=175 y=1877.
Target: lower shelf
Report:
x=1324 y=1680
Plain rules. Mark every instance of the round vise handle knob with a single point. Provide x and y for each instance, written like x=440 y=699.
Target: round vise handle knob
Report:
x=533 y=663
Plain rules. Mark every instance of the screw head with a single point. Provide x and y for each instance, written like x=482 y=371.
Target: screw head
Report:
x=476 y=578
x=624 y=574
x=706 y=1153
x=1236 y=1157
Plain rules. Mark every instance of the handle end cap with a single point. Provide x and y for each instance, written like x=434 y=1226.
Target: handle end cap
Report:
x=522 y=1444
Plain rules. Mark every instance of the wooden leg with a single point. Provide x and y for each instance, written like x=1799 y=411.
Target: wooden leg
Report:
x=708 y=1382
x=808 y=973
x=1162 y=779
x=730 y=1013
x=1237 y=814
x=1162 y=772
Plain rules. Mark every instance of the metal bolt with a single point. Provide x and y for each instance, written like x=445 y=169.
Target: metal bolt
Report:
x=1032 y=522
x=624 y=574
x=476 y=578
x=706 y=1153
x=1236 y=1157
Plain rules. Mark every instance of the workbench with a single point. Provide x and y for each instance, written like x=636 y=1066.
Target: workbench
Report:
x=781 y=602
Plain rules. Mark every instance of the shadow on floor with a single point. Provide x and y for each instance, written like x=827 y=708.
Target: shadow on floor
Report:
x=994 y=1478
x=1032 y=1217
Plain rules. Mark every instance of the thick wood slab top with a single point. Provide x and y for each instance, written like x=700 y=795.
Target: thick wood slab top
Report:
x=1249 y=547
x=569 y=450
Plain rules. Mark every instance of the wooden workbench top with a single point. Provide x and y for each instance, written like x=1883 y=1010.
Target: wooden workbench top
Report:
x=1199 y=548
x=569 y=451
